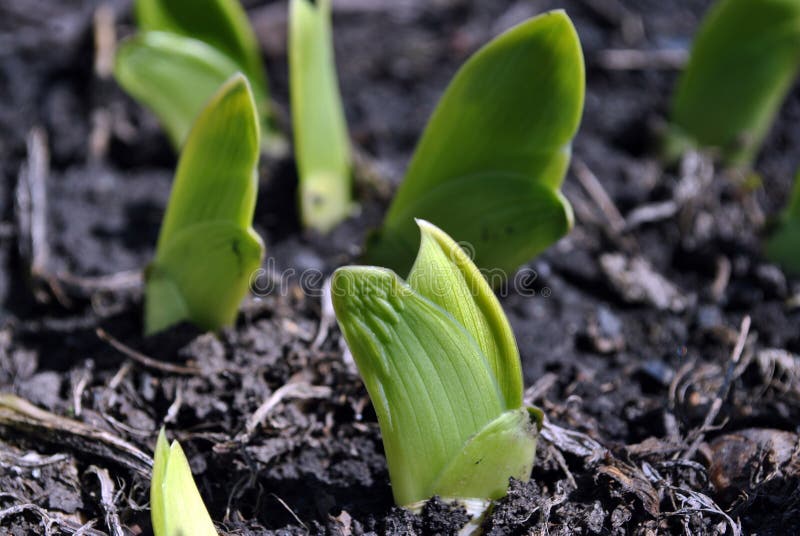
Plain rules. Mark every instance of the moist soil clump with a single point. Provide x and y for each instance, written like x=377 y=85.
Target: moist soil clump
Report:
x=663 y=351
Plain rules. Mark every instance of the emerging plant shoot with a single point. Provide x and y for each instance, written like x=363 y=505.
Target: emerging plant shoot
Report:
x=176 y=508
x=185 y=50
x=322 y=148
x=742 y=64
x=441 y=366
x=783 y=246
x=207 y=248
x=493 y=156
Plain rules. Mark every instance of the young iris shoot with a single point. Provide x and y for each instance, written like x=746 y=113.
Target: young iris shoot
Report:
x=492 y=159
x=442 y=368
x=185 y=50
x=207 y=248
x=322 y=148
x=176 y=508
x=783 y=246
x=742 y=65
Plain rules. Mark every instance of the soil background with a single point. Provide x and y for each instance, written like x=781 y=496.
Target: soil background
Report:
x=658 y=421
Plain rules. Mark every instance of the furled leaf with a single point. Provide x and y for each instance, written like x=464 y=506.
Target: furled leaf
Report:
x=207 y=249
x=742 y=64
x=783 y=246
x=431 y=386
x=221 y=24
x=175 y=503
x=172 y=75
x=322 y=147
x=494 y=154
x=445 y=274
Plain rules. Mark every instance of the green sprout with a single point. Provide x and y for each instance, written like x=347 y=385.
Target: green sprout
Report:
x=783 y=246
x=176 y=508
x=320 y=133
x=442 y=368
x=185 y=50
x=207 y=248
x=492 y=159
x=743 y=61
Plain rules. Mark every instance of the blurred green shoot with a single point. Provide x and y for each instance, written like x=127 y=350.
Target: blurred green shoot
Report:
x=783 y=246
x=322 y=147
x=494 y=154
x=742 y=64
x=185 y=50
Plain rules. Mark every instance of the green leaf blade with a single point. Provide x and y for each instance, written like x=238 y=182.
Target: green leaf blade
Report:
x=511 y=110
x=222 y=24
x=216 y=176
x=174 y=76
x=430 y=384
x=741 y=67
x=445 y=274
x=320 y=132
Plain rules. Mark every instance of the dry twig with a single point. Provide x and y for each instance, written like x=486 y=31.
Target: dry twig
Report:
x=722 y=394
x=107 y=500
x=19 y=415
x=144 y=360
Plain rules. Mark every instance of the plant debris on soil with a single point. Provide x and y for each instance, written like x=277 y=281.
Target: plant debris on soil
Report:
x=661 y=345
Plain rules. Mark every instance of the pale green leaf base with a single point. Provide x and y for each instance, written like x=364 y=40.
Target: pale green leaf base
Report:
x=201 y=276
x=506 y=219
x=505 y=448
x=325 y=201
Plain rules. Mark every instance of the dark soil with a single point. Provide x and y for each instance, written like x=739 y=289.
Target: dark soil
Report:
x=656 y=424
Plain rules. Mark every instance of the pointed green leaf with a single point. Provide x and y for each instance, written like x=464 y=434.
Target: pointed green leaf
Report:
x=431 y=386
x=446 y=275
x=783 y=246
x=322 y=147
x=172 y=75
x=176 y=506
x=207 y=249
x=216 y=176
x=504 y=448
x=202 y=275
x=157 y=515
x=505 y=227
x=502 y=130
x=221 y=24
x=741 y=67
